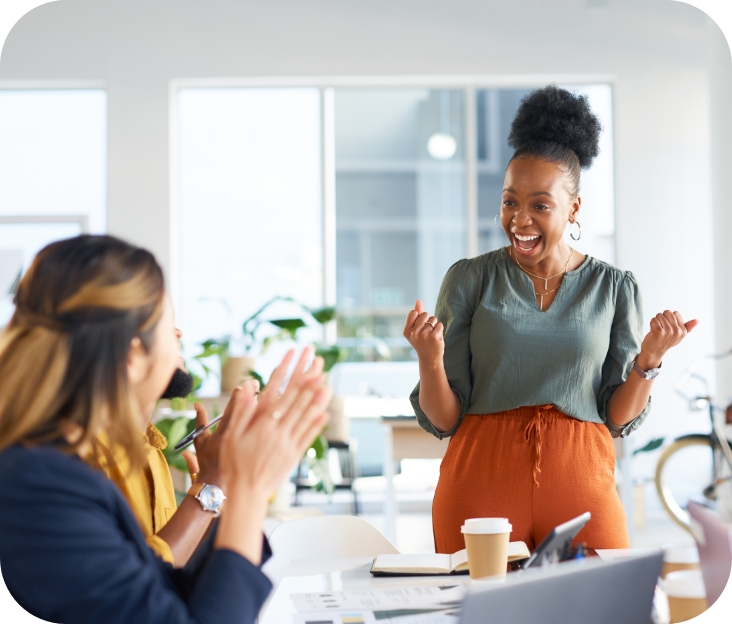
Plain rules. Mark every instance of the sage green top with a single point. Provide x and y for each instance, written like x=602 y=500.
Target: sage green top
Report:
x=502 y=352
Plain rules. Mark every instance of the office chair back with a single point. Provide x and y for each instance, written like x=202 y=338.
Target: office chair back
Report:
x=323 y=537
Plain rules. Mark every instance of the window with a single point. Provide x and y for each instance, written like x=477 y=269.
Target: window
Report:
x=248 y=183
x=400 y=208
x=413 y=194
x=53 y=174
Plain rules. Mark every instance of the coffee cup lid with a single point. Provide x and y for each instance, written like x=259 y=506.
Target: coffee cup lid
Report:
x=685 y=584
x=486 y=525
x=681 y=552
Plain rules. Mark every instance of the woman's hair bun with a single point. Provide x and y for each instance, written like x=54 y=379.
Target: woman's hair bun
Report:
x=558 y=116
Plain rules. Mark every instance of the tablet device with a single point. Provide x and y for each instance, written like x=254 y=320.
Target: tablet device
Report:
x=556 y=545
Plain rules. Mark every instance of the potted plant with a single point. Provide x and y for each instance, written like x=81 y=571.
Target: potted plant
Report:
x=639 y=485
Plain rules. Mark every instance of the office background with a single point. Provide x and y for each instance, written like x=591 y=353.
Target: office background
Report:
x=141 y=67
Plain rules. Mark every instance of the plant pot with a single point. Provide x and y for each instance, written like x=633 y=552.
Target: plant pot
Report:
x=234 y=371
x=338 y=429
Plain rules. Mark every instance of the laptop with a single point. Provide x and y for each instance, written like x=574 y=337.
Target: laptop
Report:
x=714 y=542
x=587 y=591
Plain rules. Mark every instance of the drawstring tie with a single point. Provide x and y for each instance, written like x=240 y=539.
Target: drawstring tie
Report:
x=535 y=425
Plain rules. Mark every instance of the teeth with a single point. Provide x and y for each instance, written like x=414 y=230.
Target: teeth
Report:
x=525 y=238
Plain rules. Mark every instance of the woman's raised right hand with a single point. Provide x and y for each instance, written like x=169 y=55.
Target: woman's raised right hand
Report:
x=425 y=333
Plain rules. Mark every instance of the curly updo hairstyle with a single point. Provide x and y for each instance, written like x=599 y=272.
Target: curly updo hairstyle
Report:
x=558 y=126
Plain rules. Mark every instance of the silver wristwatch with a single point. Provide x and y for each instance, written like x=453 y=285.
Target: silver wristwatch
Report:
x=649 y=374
x=211 y=497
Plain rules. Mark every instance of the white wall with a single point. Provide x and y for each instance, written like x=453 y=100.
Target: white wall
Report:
x=672 y=90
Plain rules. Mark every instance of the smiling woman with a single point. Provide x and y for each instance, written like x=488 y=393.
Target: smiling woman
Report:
x=528 y=362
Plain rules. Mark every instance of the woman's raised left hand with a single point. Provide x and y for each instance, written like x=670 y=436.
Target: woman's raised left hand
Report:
x=667 y=330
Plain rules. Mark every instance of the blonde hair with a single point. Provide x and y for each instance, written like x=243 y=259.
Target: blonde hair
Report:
x=63 y=356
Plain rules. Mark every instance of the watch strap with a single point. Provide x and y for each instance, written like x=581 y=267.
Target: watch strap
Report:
x=195 y=489
x=644 y=374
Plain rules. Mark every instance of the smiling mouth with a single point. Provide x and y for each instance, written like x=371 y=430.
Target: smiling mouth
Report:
x=526 y=243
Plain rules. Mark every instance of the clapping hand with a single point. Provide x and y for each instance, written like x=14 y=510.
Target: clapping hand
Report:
x=425 y=333
x=667 y=330
x=266 y=438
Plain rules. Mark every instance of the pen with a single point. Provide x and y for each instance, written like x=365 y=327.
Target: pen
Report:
x=194 y=434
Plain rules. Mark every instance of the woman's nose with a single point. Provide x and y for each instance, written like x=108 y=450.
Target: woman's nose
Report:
x=522 y=218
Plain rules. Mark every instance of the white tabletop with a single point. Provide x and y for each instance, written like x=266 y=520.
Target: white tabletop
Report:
x=352 y=573
x=342 y=574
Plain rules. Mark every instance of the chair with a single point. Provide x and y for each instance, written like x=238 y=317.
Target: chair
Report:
x=323 y=537
x=343 y=471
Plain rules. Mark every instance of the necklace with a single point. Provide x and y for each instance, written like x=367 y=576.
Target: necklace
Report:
x=546 y=279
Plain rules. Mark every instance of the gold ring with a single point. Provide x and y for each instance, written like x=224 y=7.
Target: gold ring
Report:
x=194 y=476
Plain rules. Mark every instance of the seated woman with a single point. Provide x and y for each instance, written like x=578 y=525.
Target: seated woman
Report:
x=172 y=531
x=92 y=340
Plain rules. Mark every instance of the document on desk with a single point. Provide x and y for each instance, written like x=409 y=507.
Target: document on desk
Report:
x=379 y=617
x=381 y=599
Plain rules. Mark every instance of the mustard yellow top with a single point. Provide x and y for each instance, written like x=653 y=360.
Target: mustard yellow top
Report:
x=150 y=493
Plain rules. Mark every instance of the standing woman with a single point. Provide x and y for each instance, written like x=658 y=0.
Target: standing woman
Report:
x=535 y=358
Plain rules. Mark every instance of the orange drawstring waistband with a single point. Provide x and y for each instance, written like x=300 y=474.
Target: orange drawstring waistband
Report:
x=535 y=425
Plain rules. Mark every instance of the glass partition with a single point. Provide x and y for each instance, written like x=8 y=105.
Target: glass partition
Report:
x=400 y=176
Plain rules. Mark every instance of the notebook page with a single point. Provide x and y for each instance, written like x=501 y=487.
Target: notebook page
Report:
x=430 y=562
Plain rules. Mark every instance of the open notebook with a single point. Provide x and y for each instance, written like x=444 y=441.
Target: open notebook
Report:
x=396 y=565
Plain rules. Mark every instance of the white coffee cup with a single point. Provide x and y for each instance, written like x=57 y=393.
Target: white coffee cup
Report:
x=486 y=540
x=686 y=594
x=679 y=556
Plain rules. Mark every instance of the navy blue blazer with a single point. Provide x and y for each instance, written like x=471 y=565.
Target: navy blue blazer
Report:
x=71 y=551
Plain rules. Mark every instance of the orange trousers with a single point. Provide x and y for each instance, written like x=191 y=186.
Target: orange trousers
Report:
x=535 y=466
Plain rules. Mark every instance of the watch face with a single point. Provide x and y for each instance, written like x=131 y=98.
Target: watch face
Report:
x=653 y=373
x=211 y=498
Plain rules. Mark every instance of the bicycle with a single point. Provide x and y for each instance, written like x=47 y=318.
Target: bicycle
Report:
x=697 y=464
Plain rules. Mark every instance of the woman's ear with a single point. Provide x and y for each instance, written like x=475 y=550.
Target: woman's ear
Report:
x=575 y=210
x=137 y=362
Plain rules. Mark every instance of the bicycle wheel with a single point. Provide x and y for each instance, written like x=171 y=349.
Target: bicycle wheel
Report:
x=685 y=472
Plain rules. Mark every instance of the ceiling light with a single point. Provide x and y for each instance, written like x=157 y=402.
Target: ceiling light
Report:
x=441 y=146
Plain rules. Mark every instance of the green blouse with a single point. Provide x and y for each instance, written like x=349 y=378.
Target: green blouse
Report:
x=502 y=352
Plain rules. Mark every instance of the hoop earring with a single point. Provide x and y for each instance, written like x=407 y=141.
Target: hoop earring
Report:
x=579 y=232
x=495 y=222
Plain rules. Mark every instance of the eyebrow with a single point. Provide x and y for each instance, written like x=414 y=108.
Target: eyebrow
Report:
x=510 y=189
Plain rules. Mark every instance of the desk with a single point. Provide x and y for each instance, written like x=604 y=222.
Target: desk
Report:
x=352 y=573
x=404 y=439
x=341 y=574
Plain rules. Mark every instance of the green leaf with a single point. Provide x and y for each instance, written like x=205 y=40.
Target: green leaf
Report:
x=324 y=315
x=164 y=426
x=290 y=325
x=177 y=461
x=13 y=290
x=175 y=429
x=320 y=446
x=212 y=347
x=651 y=446
x=258 y=377
x=331 y=355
